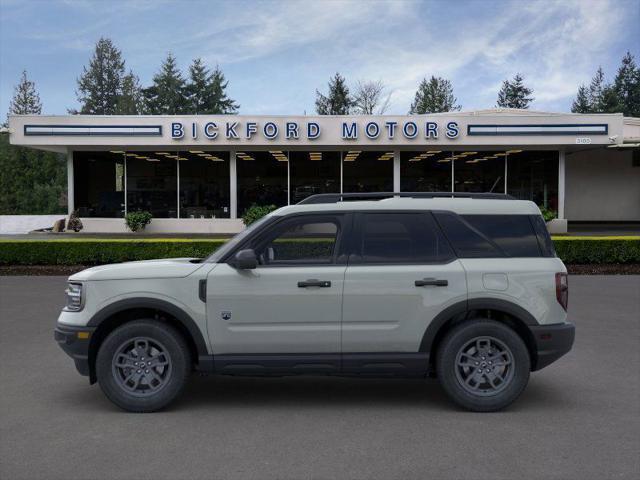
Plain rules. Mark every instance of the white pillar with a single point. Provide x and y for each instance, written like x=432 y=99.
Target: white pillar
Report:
x=233 y=185
x=70 y=185
x=396 y=170
x=561 y=182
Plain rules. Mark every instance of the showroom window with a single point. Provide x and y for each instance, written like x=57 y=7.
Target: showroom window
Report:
x=533 y=175
x=204 y=184
x=152 y=183
x=262 y=179
x=365 y=171
x=312 y=173
x=99 y=184
x=425 y=171
x=479 y=171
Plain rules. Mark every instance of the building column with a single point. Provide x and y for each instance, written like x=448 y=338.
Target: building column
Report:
x=561 y=183
x=70 y=183
x=396 y=170
x=233 y=185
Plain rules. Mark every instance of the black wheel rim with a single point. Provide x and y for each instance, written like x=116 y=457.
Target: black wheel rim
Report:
x=141 y=366
x=484 y=366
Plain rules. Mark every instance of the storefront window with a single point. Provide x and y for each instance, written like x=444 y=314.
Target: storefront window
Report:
x=262 y=179
x=425 y=171
x=533 y=175
x=365 y=171
x=204 y=184
x=152 y=183
x=479 y=171
x=312 y=173
x=99 y=184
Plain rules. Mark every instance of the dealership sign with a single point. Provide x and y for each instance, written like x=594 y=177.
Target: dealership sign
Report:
x=293 y=130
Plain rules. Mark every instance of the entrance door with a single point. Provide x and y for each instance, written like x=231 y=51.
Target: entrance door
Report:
x=289 y=305
x=401 y=275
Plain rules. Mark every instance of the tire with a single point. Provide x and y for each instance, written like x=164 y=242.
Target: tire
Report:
x=483 y=365
x=138 y=385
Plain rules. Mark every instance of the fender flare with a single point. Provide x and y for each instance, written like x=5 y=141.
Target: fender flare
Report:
x=464 y=307
x=156 y=304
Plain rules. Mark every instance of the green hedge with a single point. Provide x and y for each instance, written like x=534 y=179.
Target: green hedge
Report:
x=572 y=250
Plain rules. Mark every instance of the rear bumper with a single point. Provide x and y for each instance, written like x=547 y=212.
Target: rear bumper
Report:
x=552 y=342
x=75 y=343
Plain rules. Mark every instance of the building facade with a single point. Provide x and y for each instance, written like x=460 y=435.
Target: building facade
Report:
x=200 y=173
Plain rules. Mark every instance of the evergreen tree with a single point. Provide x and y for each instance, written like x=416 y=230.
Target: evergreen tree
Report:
x=581 y=104
x=130 y=101
x=167 y=95
x=596 y=91
x=25 y=99
x=514 y=94
x=627 y=86
x=338 y=101
x=433 y=96
x=100 y=85
x=206 y=91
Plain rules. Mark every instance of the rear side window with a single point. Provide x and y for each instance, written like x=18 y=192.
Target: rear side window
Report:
x=514 y=234
x=467 y=241
x=400 y=238
x=544 y=239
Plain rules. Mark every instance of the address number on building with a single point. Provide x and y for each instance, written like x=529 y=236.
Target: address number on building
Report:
x=583 y=141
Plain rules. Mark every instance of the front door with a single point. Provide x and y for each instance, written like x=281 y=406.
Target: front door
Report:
x=289 y=305
x=401 y=274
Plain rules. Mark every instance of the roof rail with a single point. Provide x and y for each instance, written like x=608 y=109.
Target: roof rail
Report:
x=338 y=197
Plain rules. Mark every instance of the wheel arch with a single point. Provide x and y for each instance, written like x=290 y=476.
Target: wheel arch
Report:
x=502 y=311
x=118 y=313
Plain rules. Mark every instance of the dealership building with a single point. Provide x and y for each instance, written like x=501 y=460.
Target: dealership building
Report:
x=200 y=173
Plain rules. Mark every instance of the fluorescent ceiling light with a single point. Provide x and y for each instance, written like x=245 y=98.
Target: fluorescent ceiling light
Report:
x=116 y=151
x=196 y=151
x=434 y=151
x=514 y=151
x=152 y=160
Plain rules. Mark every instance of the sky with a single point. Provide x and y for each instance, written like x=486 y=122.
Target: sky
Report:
x=275 y=54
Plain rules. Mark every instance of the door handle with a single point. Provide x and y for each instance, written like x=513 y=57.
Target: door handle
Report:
x=314 y=283
x=428 y=282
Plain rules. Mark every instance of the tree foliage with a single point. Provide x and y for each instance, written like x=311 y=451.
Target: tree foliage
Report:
x=25 y=99
x=206 y=91
x=100 y=85
x=433 y=96
x=131 y=100
x=514 y=93
x=338 y=100
x=167 y=95
x=371 y=98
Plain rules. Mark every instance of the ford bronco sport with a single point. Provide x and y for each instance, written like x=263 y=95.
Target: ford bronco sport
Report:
x=464 y=287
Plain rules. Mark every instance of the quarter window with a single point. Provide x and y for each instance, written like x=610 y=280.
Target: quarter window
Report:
x=406 y=238
x=514 y=234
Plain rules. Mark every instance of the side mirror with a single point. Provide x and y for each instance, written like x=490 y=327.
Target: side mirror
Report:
x=245 y=260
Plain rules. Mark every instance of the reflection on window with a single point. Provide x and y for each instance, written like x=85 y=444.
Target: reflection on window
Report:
x=425 y=171
x=99 y=184
x=152 y=183
x=479 y=171
x=262 y=179
x=533 y=175
x=367 y=171
x=312 y=173
x=204 y=184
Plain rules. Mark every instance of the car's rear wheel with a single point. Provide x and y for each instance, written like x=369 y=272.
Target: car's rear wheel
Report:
x=483 y=365
x=143 y=365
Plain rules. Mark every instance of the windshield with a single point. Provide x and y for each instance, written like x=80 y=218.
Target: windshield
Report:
x=235 y=241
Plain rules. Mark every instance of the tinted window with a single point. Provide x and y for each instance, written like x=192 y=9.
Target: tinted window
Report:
x=544 y=239
x=401 y=238
x=514 y=234
x=302 y=241
x=467 y=241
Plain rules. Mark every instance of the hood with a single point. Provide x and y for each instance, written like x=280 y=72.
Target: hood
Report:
x=165 y=268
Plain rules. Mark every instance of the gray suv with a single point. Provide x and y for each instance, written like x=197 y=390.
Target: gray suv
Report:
x=463 y=287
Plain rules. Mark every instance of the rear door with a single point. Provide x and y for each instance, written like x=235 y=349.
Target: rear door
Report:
x=401 y=274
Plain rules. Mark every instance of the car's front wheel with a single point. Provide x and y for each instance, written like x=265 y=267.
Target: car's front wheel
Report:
x=483 y=365
x=143 y=365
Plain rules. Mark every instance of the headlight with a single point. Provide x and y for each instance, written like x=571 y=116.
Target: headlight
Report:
x=74 y=297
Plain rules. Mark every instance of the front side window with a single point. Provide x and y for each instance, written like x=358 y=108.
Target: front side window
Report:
x=303 y=241
x=405 y=238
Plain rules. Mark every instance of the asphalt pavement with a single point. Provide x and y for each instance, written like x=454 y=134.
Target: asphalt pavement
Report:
x=578 y=419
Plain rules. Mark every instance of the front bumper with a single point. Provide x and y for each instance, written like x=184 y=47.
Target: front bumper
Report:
x=552 y=342
x=75 y=343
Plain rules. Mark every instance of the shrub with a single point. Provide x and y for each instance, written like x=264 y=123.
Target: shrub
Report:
x=547 y=213
x=598 y=250
x=74 y=223
x=256 y=212
x=137 y=220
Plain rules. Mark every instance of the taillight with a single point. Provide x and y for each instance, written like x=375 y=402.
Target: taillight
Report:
x=562 y=289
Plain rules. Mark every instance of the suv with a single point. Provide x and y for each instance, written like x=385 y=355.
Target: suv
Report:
x=464 y=287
